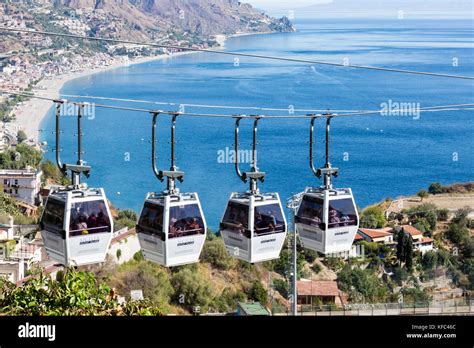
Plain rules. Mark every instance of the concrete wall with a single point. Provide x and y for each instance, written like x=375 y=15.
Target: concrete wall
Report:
x=128 y=247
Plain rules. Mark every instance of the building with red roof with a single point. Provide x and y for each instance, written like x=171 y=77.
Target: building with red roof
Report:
x=381 y=235
x=315 y=292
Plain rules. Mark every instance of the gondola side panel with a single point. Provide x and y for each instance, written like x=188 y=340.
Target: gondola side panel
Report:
x=186 y=249
x=91 y=246
x=152 y=245
x=340 y=239
x=268 y=246
x=54 y=241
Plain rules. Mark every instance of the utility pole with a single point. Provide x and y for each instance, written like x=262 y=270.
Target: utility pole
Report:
x=293 y=203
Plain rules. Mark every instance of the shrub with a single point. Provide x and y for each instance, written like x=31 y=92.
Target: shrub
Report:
x=424 y=215
x=457 y=233
x=415 y=295
x=400 y=275
x=282 y=287
x=316 y=268
x=373 y=217
x=191 y=288
x=122 y=223
x=152 y=279
x=73 y=293
x=363 y=285
x=334 y=263
x=210 y=235
x=436 y=188
x=21 y=136
x=258 y=293
x=443 y=214
x=310 y=255
x=228 y=299
x=138 y=256
x=127 y=214
x=215 y=253
x=429 y=260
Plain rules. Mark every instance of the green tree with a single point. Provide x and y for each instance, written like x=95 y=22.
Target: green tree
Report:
x=415 y=295
x=20 y=157
x=215 y=253
x=443 y=214
x=138 y=256
x=409 y=253
x=436 y=188
x=126 y=218
x=191 y=288
x=228 y=299
x=50 y=170
x=21 y=136
x=152 y=279
x=373 y=217
x=310 y=255
x=127 y=214
x=399 y=275
x=429 y=260
x=457 y=233
x=282 y=287
x=423 y=194
x=424 y=215
x=401 y=246
x=362 y=285
x=258 y=293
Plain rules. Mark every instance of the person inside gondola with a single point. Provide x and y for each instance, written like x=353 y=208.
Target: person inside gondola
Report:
x=193 y=225
x=315 y=217
x=81 y=225
x=334 y=219
x=242 y=222
x=102 y=222
x=345 y=220
x=92 y=221
x=174 y=230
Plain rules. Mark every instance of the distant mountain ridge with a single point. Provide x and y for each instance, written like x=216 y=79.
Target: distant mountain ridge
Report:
x=201 y=17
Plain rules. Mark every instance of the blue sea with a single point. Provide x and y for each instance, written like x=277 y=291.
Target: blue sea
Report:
x=378 y=156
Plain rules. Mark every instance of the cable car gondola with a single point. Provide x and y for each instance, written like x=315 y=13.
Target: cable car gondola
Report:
x=76 y=224
x=171 y=228
x=253 y=226
x=327 y=219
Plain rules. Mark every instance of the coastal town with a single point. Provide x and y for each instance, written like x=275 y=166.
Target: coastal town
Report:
x=35 y=63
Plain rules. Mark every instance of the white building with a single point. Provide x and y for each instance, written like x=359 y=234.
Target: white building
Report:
x=23 y=185
x=420 y=242
x=17 y=255
x=124 y=245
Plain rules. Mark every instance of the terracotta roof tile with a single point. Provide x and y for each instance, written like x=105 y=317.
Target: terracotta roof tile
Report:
x=411 y=230
x=372 y=233
x=318 y=288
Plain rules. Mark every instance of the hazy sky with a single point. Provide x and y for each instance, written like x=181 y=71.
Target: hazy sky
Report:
x=368 y=8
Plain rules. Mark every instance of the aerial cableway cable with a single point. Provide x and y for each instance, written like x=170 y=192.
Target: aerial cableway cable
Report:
x=237 y=54
x=441 y=108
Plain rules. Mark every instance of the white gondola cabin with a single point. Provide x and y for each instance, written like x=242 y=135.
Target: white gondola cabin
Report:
x=172 y=229
x=254 y=226
x=76 y=226
x=327 y=220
